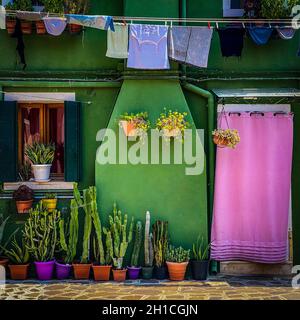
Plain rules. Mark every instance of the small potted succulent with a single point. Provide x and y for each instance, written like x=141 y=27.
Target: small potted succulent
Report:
x=41 y=157
x=172 y=124
x=25 y=171
x=200 y=261
x=147 y=270
x=177 y=260
x=226 y=138
x=134 y=269
x=50 y=201
x=24 y=199
x=41 y=242
x=18 y=257
x=121 y=240
x=76 y=7
x=160 y=245
x=134 y=124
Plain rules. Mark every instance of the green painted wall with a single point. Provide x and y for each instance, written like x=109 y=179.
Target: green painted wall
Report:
x=164 y=190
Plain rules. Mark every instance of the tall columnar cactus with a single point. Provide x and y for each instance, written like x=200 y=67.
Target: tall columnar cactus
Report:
x=148 y=242
x=120 y=239
x=41 y=233
x=160 y=241
x=137 y=244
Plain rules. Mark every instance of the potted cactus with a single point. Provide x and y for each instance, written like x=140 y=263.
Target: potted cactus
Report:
x=147 y=270
x=177 y=260
x=134 y=124
x=121 y=239
x=41 y=238
x=24 y=199
x=134 y=269
x=50 y=201
x=18 y=257
x=200 y=261
x=160 y=245
x=41 y=157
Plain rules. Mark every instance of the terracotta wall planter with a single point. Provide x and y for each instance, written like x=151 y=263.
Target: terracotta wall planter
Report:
x=19 y=272
x=24 y=206
x=177 y=270
x=81 y=271
x=119 y=274
x=101 y=273
x=40 y=27
x=26 y=27
x=50 y=204
x=10 y=26
x=128 y=128
x=171 y=133
x=75 y=28
x=219 y=141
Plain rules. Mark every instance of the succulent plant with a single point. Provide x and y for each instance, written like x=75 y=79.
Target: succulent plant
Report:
x=160 y=241
x=40 y=153
x=177 y=255
x=137 y=244
x=148 y=242
x=201 y=249
x=23 y=193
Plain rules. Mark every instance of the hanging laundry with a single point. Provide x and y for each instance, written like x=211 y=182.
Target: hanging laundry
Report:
x=55 y=26
x=31 y=16
x=179 y=42
x=98 y=22
x=117 y=42
x=2 y=18
x=286 y=33
x=20 y=43
x=260 y=35
x=148 y=47
x=231 y=41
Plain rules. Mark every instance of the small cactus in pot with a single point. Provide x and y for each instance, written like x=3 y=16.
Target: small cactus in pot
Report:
x=147 y=270
x=177 y=260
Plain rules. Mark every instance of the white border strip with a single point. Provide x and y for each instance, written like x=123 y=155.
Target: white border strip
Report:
x=44 y=97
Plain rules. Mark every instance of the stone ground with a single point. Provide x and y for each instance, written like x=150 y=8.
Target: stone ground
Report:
x=215 y=288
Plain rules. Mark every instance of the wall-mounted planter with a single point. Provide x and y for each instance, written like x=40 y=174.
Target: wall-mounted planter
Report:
x=24 y=206
x=128 y=128
x=81 y=271
x=119 y=274
x=19 y=272
x=101 y=273
x=171 y=133
x=75 y=28
x=41 y=172
x=10 y=26
x=26 y=27
x=220 y=141
x=44 y=270
x=40 y=27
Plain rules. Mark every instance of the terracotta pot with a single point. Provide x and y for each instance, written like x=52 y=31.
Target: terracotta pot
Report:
x=40 y=27
x=24 y=206
x=101 y=273
x=81 y=271
x=75 y=28
x=19 y=272
x=219 y=141
x=50 y=204
x=128 y=128
x=119 y=274
x=177 y=270
x=10 y=26
x=3 y=261
x=171 y=133
x=26 y=27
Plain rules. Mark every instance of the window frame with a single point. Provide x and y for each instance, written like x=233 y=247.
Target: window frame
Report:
x=229 y=12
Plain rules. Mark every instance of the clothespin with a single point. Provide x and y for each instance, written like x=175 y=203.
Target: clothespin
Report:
x=171 y=24
x=208 y=24
x=217 y=25
x=243 y=24
x=124 y=22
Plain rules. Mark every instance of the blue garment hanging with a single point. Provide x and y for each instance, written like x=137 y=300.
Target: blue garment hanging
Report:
x=97 y=22
x=260 y=35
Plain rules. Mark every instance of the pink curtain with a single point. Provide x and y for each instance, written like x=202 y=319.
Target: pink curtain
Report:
x=252 y=190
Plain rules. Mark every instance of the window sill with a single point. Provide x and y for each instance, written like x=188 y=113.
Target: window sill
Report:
x=51 y=185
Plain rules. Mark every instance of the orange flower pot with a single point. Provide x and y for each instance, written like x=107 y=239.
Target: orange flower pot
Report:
x=177 y=270
x=82 y=271
x=75 y=28
x=24 y=206
x=219 y=141
x=10 y=26
x=19 y=272
x=119 y=274
x=128 y=128
x=26 y=27
x=101 y=273
x=40 y=27
x=3 y=261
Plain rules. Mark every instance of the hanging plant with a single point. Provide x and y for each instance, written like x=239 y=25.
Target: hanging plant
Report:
x=276 y=9
x=226 y=137
x=134 y=124
x=172 y=124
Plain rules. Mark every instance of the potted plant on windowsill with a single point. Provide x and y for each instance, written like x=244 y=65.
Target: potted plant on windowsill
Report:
x=200 y=261
x=177 y=260
x=76 y=7
x=134 y=269
x=18 y=257
x=277 y=9
x=41 y=241
x=134 y=124
x=147 y=270
x=50 y=6
x=24 y=199
x=50 y=201
x=226 y=138
x=19 y=5
x=160 y=245
x=121 y=240
x=25 y=171
x=41 y=157
x=172 y=124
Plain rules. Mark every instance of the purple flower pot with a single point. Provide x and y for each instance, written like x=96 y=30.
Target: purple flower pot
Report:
x=44 y=270
x=63 y=271
x=134 y=272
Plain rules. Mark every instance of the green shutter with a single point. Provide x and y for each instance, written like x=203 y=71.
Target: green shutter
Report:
x=8 y=141
x=72 y=141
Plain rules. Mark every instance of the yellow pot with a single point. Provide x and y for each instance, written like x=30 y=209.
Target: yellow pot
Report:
x=50 y=204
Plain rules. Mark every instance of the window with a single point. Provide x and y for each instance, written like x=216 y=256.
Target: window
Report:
x=233 y=8
x=42 y=123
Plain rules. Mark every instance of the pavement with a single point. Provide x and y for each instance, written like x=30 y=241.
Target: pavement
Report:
x=215 y=288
